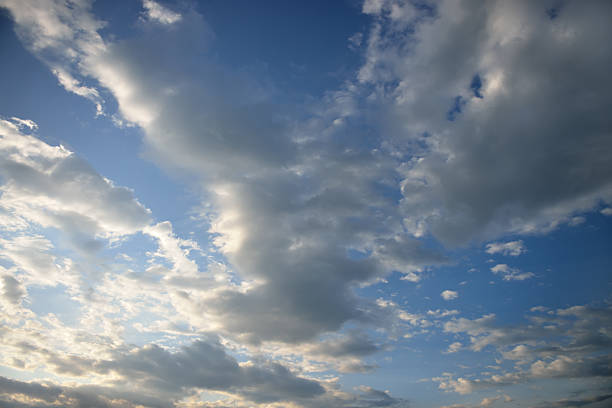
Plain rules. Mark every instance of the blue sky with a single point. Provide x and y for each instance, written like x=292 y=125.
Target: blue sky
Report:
x=384 y=203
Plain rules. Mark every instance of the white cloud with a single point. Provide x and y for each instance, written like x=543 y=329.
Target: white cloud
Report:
x=460 y=385
x=158 y=13
x=510 y=274
x=52 y=187
x=442 y=313
x=511 y=248
x=454 y=347
x=488 y=401
x=30 y=124
x=73 y=85
x=60 y=35
x=449 y=295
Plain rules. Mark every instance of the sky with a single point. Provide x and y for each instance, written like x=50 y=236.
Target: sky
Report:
x=316 y=204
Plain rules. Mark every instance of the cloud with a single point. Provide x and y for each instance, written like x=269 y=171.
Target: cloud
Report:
x=206 y=365
x=568 y=343
x=510 y=274
x=354 y=344
x=454 y=347
x=590 y=401
x=509 y=162
x=488 y=401
x=158 y=13
x=449 y=295
x=12 y=290
x=152 y=376
x=510 y=248
x=442 y=313
x=166 y=377
x=59 y=35
x=50 y=186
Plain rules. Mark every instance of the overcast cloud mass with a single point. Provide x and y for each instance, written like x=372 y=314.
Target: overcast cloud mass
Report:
x=384 y=203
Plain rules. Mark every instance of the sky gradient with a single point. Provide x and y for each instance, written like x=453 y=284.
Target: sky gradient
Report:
x=316 y=204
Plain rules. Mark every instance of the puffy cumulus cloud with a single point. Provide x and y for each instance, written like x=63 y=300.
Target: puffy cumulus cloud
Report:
x=514 y=137
x=459 y=385
x=488 y=401
x=158 y=13
x=454 y=347
x=510 y=248
x=449 y=294
x=52 y=200
x=567 y=343
x=438 y=314
x=51 y=187
x=510 y=274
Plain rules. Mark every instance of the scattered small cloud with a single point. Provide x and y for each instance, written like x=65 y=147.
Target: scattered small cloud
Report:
x=355 y=41
x=160 y=14
x=449 y=295
x=511 y=248
x=454 y=347
x=511 y=274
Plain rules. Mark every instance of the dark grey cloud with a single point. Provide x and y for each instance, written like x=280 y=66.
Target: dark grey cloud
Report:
x=354 y=344
x=47 y=395
x=206 y=365
x=599 y=401
x=12 y=290
x=165 y=376
x=528 y=152
x=34 y=390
